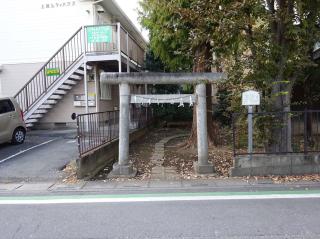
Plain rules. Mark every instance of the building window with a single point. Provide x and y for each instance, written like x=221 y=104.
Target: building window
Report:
x=105 y=91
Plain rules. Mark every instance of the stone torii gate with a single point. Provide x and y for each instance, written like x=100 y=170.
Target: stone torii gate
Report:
x=123 y=168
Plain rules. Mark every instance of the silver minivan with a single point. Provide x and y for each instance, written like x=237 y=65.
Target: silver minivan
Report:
x=12 y=126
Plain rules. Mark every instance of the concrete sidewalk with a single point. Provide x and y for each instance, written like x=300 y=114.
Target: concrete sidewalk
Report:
x=151 y=186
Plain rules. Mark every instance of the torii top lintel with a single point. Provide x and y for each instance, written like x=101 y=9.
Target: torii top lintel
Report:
x=161 y=78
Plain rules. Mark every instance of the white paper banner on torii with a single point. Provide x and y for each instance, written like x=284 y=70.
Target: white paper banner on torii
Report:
x=162 y=99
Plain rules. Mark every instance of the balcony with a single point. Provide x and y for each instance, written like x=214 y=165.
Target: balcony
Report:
x=113 y=39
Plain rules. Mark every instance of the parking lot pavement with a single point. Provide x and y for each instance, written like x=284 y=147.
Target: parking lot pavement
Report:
x=40 y=158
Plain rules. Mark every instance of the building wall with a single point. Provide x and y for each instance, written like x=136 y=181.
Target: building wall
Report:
x=14 y=76
x=61 y=112
x=34 y=31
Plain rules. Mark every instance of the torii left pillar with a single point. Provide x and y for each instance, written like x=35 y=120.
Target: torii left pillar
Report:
x=123 y=168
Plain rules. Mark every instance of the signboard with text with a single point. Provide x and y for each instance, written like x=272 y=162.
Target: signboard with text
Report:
x=52 y=72
x=250 y=97
x=96 y=34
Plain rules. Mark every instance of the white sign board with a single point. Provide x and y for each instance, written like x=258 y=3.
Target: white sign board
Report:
x=250 y=97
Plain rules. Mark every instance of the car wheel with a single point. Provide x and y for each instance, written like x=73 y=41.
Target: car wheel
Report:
x=18 y=136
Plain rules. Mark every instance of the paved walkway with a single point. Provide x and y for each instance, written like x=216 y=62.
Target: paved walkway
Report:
x=158 y=171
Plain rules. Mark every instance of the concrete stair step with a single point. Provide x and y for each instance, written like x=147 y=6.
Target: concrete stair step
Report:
x=60 y=92
x=70 y=82
x=89 y=67
x=45 y=106
x=41 y=111
x=79 y=72
x=55 y=97
x=31 y=120
x=75 y=77
x=50 y=102
x=65 y=87
x=36 y=116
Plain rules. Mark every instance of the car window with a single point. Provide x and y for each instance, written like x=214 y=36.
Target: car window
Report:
x=6 y=106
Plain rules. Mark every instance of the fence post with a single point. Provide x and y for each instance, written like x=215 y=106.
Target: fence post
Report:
x=234 y=135
x=78 y=135
x=26 y=96
x=305 y=133
x=250 y=130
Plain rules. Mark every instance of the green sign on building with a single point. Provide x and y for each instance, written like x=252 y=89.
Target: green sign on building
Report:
x=52 y=72
x=97 y=34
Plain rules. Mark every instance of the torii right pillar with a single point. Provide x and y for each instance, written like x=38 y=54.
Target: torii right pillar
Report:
x=202 y=166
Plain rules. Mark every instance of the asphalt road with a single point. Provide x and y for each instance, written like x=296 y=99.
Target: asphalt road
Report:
x=230 y=219
x=40 y=158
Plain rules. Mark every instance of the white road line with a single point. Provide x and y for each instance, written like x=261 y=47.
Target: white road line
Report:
x=75 y=200
x=23 y=151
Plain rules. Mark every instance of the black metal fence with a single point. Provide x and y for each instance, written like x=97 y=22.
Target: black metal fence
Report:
x=278 y=132
x=96 y=129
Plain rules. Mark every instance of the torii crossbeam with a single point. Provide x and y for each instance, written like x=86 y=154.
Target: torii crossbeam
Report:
x=123 y=167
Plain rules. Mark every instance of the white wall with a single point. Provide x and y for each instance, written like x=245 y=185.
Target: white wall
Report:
x=31 y=32
x=14 y=76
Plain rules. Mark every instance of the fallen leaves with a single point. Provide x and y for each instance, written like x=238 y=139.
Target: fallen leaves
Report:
x=295 y=178
x=71 y=173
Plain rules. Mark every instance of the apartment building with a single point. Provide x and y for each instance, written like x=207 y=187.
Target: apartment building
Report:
x=53 y=51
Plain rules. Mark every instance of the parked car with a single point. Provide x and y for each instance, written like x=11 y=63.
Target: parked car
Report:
x=12 y=125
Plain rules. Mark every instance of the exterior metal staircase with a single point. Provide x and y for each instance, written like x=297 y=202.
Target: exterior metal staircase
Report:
x=55 y=78
x=66 y=67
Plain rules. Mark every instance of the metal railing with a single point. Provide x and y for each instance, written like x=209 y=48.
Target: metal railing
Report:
x=96 y=129
x=130 y=47
x=51 y=71
x=68 y=55
x=278 y=132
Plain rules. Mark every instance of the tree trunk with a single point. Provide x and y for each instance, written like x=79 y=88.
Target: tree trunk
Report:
x=202 y=63
x=280 y=140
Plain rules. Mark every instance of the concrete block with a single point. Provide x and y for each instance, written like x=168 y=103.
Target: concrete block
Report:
x=240 y=172
x=203 y=169
x=278 y=170
x=91 y=163
x=304 y=169
x=122 y=171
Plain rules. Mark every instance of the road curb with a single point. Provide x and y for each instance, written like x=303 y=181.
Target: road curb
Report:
x=89 y=187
